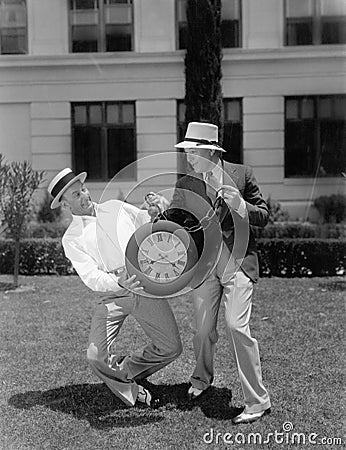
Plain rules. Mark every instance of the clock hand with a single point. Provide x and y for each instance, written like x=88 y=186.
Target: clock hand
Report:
x=170 y=262
x=149 y=261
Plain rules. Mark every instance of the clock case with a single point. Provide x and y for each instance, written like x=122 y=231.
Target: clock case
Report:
x=201 y=226
x=150 y=286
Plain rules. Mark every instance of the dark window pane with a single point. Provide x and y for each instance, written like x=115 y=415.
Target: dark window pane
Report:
x=340 y=107
x=13 y=41
x=232 y=142
x=84 y=38
x=299 y=148
x=333 y=31
x=128 y=111
x=87 y=151
x=95 y=114
x=84 y=4
x=121 y=152
x=230 y=33
x=333 y=148
x=114 y=2
x=118 y=38
x=299 y=32
x=113 y=113
x=307 y=111
x=325 y=107
x=80 y=115
x=182 y=44
x=292 y=109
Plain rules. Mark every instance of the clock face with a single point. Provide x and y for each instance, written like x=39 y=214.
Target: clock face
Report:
x=162 y=256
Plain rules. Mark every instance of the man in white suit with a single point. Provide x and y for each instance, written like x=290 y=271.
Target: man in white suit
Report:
x=95 y=243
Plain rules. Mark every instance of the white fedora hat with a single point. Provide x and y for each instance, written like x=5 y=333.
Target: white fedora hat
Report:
x=201 y=135
x=61 y=182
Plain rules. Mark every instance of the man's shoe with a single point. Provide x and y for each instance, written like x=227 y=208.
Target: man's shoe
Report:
x=194 y=393
x=245 y=417
x=145 y=397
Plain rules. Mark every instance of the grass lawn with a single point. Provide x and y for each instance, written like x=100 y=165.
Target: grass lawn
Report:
x=51 y=400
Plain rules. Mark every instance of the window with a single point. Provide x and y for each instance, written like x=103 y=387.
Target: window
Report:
x=13 y=27
x=104 y=139
x=101 y=25
x=315 y=136
x=230 y=23
x=315 y=22
x=232 y=131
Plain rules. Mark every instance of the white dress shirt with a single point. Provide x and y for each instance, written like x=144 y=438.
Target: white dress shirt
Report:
x=218 y=174
x=96 y=245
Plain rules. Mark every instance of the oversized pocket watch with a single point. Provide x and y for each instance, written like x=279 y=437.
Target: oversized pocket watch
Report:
x=163 y=257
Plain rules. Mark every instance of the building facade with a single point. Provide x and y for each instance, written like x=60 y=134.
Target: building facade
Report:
x=98 y=85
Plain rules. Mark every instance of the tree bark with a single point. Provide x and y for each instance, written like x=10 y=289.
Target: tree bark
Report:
x=203 y=93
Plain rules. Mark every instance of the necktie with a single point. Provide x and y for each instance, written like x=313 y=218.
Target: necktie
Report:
x=212 y=186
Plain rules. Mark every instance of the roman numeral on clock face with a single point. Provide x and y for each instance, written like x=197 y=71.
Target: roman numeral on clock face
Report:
x=157 y=276
x=148 y=270
x=159 y=238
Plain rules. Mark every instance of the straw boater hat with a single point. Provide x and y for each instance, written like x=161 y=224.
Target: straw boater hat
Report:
x=201 y=135
x=61 y=182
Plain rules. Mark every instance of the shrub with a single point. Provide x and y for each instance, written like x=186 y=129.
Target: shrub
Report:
x=278 y=257
x=300 y=230
x=276 y=213
x=45 y=230
x=45 y=213
x=302 y=257
x=37 y=257
x=332 y=208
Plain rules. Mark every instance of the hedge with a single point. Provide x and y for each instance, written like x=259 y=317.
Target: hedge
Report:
x=278 y=257
x=37 y=257
x=296 y=230
x=302 y=257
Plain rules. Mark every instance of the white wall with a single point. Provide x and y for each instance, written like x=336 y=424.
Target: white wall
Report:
x=15 y=131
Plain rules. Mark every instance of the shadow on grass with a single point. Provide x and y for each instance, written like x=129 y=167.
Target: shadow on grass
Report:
x=96 y=404
x=92 y=402
x=214 y=403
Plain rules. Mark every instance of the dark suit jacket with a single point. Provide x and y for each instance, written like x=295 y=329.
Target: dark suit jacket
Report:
x=244 y=179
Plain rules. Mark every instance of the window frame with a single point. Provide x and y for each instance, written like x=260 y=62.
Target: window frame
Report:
x=26 y=39
x=241 y=122
x=317 y=22
x=104 y=127
x=101 y=27
x=316 y=121
x=240 y=34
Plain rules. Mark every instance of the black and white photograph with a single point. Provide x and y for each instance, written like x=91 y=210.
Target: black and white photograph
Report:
x=172 y=224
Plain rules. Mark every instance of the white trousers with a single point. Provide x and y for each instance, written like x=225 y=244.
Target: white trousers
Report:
x=236 y=292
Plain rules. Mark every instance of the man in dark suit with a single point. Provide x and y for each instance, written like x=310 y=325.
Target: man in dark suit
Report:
x=233 y=192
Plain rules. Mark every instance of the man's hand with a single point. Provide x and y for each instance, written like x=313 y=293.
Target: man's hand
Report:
x=156 y=204
x=232 y=196
x=128 y=283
